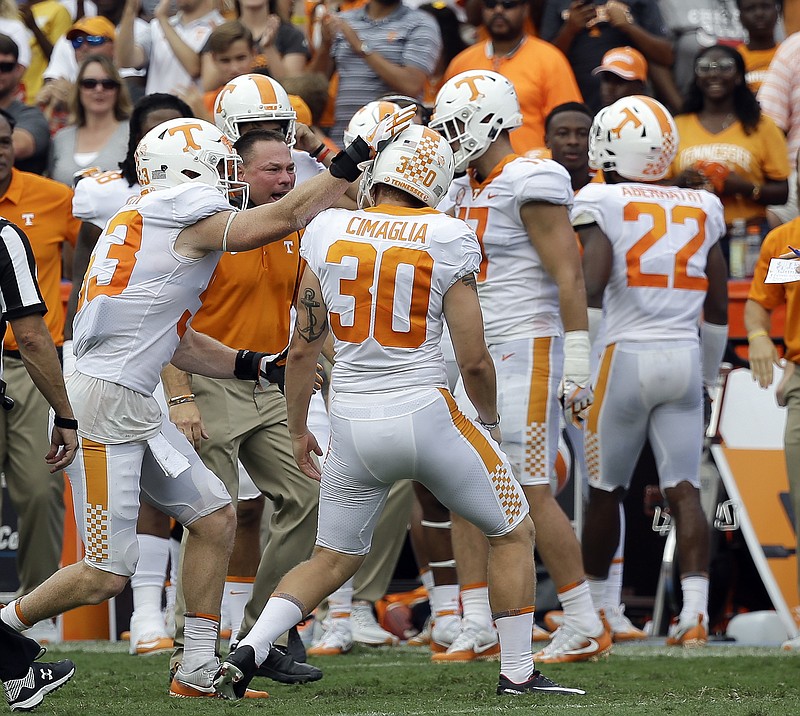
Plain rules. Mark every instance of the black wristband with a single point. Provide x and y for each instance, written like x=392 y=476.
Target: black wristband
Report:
x=345 y=163
x=246 y=366
x=66 y=423
x=317 y=151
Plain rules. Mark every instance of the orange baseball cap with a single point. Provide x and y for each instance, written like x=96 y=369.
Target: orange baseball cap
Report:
x=301 y=109
x=96 y=26
x=625 y=62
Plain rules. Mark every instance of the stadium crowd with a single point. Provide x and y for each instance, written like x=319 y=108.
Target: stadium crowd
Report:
x=591 y=174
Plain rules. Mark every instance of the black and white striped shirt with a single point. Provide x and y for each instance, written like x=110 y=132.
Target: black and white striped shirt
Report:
x=19 y=291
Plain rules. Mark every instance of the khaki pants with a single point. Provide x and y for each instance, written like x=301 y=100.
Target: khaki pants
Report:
x=792 y=447
x=37 y=496
x=251 y=426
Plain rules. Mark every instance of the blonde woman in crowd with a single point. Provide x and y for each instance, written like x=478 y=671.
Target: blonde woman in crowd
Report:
x=98 y=134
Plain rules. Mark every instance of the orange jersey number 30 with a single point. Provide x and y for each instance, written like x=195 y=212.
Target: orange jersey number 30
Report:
x=380 y=287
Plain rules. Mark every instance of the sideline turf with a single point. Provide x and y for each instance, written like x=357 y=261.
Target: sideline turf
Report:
x=636 y=681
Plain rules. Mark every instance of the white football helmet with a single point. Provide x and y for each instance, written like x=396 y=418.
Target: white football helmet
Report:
x=635 y=137
x=419 y=161
x=471 y=109
x=189 y=150
x=254 y=98
x=367 y=117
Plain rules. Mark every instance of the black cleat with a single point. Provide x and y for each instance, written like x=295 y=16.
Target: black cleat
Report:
x=43 y=678
x=235 y=673
x=279 y=666
x=537 y=684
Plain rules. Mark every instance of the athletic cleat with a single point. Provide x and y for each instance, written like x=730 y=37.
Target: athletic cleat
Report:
x=444 y=632
x=689 y=633
x=537 y=684
x=567 y=645
x=791 y=644
x=554 y=619
x=43 y=678
x=198 y=683
x=620 y=627
x=148 y=635
x=230 y=680
x=539 y=635
x=365 y=629
x=280 y=666
x=423 y=638
x=473 y=643
x=337 y=639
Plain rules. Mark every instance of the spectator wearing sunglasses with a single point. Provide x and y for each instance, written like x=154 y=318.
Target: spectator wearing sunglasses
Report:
x=98 y=135
x=726 y=144
x=584 y=31
x=89 y=35
x=540 y=73
x=11 y=25
x=31 y=137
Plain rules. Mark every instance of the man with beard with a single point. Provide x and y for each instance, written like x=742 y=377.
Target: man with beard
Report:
x=384 y=66
x=540 y=74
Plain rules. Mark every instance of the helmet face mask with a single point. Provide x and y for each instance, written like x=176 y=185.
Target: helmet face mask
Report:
x=419 y=161
x=635 y=137
x=471 y=110
x=189 y=150
x=254 y=98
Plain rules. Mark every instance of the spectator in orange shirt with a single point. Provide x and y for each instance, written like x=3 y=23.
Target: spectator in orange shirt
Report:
x=43 y=209
x=759 y=18
x=540 y=74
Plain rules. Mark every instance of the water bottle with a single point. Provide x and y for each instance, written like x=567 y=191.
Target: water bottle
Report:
x=737 y=248
x=752 y=249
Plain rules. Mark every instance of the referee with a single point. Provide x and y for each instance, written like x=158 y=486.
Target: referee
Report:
x=27 y=682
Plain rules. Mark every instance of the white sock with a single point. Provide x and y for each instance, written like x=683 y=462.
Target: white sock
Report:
x=279 y=616
x=10 y=616
x=444 y=601
x=340 y=603
x=475 y=605
x=426 y=577
x=597 y=590
x=695 y=597
x=174 y=559
x=579 y=611
x=200 y=636
x=516 y=661
x=613 y=593
x=238 y=591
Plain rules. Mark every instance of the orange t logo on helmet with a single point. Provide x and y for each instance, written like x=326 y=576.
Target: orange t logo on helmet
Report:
x=186 y=130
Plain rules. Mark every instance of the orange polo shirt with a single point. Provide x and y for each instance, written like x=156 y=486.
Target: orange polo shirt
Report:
x=541 y=76
x=770 y=296
x=42 y=208
x=248 y=299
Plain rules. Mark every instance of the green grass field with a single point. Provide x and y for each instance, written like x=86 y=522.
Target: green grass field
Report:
x=641 y=680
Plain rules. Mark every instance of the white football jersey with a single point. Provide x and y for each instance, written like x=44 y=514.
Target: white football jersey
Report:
x=384 y=272
x=97 y=198
x=519 y=299
x=661 y=237
x=138 y=293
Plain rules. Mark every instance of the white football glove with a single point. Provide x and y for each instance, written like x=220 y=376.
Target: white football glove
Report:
x=575 y=400
x=575 y=391
x=272 y=369
x=389 y=127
